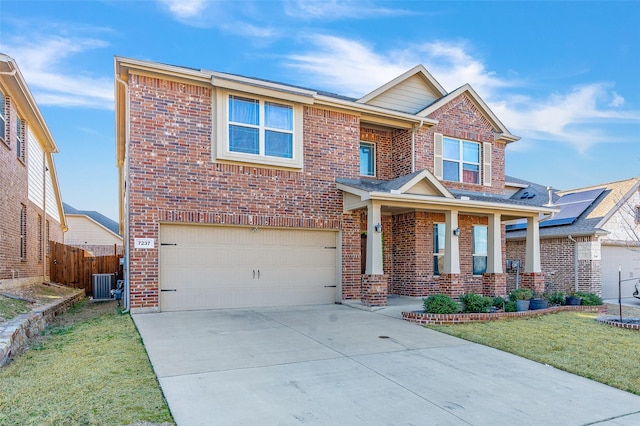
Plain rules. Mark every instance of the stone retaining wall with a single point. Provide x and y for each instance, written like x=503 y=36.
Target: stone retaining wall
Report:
x=15 y=334
x=423 y=318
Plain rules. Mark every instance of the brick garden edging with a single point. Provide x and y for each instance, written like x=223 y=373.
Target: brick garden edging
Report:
x=15 y=334
x=424 y=318
x=611 y=320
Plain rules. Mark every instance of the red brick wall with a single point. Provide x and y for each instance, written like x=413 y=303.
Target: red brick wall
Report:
x=13 y=194
x=172 y=178
x=461 y=119
x=401 y=153
x=556 y=263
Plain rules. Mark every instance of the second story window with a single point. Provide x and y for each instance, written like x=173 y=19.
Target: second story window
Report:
x=461 y=161
x=261 y=130
x=3 y=118
x=367 y=159
x=260 y=127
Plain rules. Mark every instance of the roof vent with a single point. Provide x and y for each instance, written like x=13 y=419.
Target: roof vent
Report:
x=550 y=191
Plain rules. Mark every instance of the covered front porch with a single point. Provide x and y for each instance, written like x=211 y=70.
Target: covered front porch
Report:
x=419 y=238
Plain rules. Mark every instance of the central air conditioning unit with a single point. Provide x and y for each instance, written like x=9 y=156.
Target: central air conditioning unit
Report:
x=102 y=285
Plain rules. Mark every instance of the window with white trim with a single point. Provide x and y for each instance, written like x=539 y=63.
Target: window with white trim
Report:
x=259 y=130
x=461 y=160
x=480 y=245
x=367 y=159
x=439 y=230
x=3 y=118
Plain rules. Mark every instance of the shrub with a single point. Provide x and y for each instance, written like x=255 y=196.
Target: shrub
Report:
x=556 y=298
x=589 y=299
x=510 y=306
x=440 y=304
x=475 y=303
x=498 y=302
x=521 y=294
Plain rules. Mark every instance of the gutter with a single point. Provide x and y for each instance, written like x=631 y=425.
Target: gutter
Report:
x=125 y=176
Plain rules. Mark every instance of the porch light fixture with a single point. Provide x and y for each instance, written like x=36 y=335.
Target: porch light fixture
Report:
x=456 y=232
x=378 y=228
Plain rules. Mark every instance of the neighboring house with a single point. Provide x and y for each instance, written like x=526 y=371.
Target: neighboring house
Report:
x=239 y=192
x=92 y=231
x=30 y=203
x=595 y=233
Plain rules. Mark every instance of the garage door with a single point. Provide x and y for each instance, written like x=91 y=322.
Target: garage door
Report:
x=211 y=267
x=629 y=261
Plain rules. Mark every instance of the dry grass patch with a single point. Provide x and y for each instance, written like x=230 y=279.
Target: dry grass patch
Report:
x=571 y=341
x=89 y=369
x=10 y=308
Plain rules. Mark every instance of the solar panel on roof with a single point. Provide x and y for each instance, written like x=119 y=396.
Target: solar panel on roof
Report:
x=571 y=207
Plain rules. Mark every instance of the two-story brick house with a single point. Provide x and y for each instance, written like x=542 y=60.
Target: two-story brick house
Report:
x=239 y=192
x=30 y=203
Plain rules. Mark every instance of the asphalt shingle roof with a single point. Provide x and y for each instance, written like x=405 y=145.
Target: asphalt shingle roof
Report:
x=111 y=225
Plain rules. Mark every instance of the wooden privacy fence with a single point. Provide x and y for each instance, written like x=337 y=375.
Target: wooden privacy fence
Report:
x=75 y=267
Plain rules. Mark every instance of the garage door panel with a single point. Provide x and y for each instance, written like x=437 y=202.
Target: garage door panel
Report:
x=208 y=267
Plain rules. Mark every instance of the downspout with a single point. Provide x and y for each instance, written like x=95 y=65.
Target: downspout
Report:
x=575 y=262
x=44 y=215
x=127 y=298
x=413 y=145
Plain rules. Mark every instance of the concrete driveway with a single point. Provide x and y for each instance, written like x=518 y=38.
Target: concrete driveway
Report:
x=335 y=365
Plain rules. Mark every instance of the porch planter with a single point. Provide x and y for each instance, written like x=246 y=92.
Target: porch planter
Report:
x=573 y=300
x=535 y=304
x=522 y=305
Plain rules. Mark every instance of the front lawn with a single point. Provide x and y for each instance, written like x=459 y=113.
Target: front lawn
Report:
x=89 y=368
x=571 y=341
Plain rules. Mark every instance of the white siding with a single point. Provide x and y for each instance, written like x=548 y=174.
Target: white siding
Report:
x=85 y=231
x=35 y=156
x=411 y=96
x=621 y=224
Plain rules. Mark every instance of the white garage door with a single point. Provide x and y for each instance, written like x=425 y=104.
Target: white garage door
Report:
x=629 y=260
x=210 y=267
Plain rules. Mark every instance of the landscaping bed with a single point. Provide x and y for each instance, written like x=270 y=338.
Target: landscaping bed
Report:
x=423 y=318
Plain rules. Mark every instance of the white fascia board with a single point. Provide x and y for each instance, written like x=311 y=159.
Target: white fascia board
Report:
x=260 y=88
x=364 y=195
x=461 y=204
x=417 y=70
x=374 y=110
x=124 y=64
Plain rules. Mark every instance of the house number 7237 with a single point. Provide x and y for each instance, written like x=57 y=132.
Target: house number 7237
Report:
x=143 y=243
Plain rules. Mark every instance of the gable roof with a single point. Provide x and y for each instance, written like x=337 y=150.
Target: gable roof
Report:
x=420 y=182
x=610 y=197
x=100 y=219
x=409 y=92
x=13 y=81
x=502 y=133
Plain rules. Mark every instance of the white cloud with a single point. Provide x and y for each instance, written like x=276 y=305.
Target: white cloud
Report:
x=334 y=9
x=182 y=9
x=44 y=62
x=575 y=116
x=617 y=100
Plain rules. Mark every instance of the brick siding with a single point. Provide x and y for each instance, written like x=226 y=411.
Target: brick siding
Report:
x=172 y=178
x=13 y=194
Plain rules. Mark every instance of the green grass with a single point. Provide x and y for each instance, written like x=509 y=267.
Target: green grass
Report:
x=10 y=308
x=91 y=372
x=571 y=341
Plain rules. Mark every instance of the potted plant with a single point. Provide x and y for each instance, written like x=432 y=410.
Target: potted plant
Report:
x=538 y=302
x=521 y=296
x=573 y=300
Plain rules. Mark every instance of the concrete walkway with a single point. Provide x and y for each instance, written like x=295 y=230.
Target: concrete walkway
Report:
x=335 y=365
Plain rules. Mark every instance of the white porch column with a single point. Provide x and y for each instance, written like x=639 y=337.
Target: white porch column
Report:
x=494 y=245
x=374 y=240
x=451 y=245
x=532 y=262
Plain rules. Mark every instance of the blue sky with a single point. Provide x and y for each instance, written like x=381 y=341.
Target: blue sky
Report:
x=564 y=76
